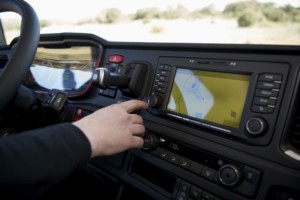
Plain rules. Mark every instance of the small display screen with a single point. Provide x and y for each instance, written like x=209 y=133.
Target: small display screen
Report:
x=212 y=96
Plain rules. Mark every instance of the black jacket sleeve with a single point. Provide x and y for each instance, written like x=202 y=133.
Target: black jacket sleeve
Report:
x=33 y=161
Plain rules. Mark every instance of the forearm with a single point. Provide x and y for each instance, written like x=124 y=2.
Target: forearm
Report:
x=42 y=157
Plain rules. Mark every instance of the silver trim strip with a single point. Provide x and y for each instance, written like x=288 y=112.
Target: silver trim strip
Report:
x=292 y=154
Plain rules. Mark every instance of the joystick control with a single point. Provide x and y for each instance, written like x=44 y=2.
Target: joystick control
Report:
x=128 y=78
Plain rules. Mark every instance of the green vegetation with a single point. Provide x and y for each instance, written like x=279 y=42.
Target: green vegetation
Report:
x=293 y=13
x=249 y=13
x=248 y=18
x=11 y=24
x=246 y=13
x=45 y=23
x=171 y=13
x=109 y=16
x=147 y=14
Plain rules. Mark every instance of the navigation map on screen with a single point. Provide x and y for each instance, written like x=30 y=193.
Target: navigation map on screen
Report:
x=212 y=96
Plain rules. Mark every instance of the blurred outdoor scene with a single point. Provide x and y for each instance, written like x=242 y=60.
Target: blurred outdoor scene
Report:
x=242 y=22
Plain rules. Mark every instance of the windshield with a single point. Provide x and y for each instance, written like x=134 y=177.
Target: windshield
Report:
x=188 y=21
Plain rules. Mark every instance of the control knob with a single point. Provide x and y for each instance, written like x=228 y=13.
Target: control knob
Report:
x=150 y=141
x=256 y=126
x=230 y=174
x=155 y=101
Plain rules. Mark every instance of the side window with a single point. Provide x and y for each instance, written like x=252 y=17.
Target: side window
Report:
x=10 y=27
x=2 y=36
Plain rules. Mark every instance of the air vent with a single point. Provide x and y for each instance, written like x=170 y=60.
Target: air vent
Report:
x=3 y=61
x=295 y=134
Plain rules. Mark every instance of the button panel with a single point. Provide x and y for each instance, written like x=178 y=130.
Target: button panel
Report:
x=250 y=175
x=266 y=93
x=161 y=79
x=109 y=92
x=187 y=191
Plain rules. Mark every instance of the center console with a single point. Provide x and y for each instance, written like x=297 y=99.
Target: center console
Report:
x=212 y=128
x=231 y=98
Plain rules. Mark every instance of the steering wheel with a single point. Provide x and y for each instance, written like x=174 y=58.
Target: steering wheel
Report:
x=19 y=62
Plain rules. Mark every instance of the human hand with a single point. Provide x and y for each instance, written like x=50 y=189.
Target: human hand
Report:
x=114 y=129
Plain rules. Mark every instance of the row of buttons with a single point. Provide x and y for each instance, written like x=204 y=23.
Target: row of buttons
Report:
x=266 y=93
x=188 y=191
x=249 y=183
x=109 y=92
x=162 y=78
x=195 y=167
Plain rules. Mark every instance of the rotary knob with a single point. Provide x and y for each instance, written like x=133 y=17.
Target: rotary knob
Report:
x=155 y=101
x=256 y=126
x=230 y=175
x=150 y=141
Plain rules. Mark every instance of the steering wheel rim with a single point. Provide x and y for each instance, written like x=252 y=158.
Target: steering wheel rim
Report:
x=19 y=63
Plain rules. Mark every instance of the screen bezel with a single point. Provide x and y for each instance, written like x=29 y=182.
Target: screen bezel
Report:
x=252 y=67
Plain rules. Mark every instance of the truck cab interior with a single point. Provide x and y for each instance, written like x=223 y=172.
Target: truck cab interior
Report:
x=223 y=120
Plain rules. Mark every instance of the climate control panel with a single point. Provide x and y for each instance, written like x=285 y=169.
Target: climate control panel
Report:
x=232 y=175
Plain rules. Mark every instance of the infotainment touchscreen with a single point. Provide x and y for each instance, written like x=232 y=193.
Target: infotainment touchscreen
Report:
x=212 y=96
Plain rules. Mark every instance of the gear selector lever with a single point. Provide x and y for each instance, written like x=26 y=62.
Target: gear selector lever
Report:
x=103 y=78
x=130 y=79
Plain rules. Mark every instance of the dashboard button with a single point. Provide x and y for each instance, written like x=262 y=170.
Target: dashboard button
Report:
x=268 y=85
x=251 y=175
x=264 y=101
x=270 y=77
x=164 y=73
x=160 y=90
x=195 y=193
x=246 y=188
x=207 y=195
x=173 y=158
x=262 y=109
x=266 y=93
x=162 y=78
x=164 y=154
x=165 y=67
x=116 y=58
x=208 y=173
x=196 y=168
x=161 y=84
x=185 y=163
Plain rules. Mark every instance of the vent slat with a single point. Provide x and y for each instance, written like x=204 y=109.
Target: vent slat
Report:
x=296 y=142
x=296 y=133
x=297 y=125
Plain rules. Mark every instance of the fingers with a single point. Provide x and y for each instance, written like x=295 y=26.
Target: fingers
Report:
x=138 y=130
x=136 y=119
x=137 y=142
x=133 y=105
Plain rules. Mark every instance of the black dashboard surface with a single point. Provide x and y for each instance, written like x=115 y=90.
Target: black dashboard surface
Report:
x=185 y=157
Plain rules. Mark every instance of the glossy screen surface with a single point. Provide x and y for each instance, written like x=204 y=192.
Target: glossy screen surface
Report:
x=211 y=96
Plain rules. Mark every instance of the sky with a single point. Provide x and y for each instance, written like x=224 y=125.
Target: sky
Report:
x=53 y=9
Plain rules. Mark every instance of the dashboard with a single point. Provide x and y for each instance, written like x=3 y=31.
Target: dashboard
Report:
x=222 y=123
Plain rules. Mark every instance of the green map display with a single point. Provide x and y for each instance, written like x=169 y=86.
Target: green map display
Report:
x=212 y=96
